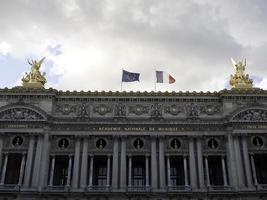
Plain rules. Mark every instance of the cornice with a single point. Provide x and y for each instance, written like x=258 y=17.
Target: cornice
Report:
x=65 y=94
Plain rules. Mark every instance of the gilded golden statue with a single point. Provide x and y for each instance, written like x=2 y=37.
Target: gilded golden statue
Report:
x=34 y=78
x=240 y=79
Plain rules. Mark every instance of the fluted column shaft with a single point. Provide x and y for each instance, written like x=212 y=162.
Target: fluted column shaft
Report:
x=28 y=168
x=84 y=164
x=76 y=163
x=115 y=163
x=192 y=164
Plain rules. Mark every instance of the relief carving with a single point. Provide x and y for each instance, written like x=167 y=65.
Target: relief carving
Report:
x=210 y=109
x=192 y=110
x=120 y=110
x=156 y=110
x=83 y=110
x=251 y=115
x=102 y=109
x=66 y=109
x=138 y=109
x=21 y=114
x=174 y=109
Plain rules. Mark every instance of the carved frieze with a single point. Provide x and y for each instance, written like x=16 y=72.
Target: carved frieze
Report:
x=120 y=110
x=156 y=110
x=210 y=109
x=139 y=109
x=66 y=109
x=174 y=109
x=83 y=110
x=192 y=110
x=20 y=114
x=102 y=109
x=251 y=115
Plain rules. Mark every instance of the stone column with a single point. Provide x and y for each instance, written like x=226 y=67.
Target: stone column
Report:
x=37 y=161
x=108 y=170
x=22 y=167
x=224 y=171
x=29 y=161
x=231 y=163
x=69 y=170
x=115 y=163
x=3 y=175
x=91 y=171
x=200 y=164
x=1 y=148
x=84 y=163
x=246 y=162
x=129 y=171
x=123 y=164
x=162 y=171
x=154 y=164
x=75 y=177
x=168 y=170
x=147 y=170
x=239 y=162
x=185 y=171
x=253 y=170
x=207 y=170
x=44 y=162
x=52 y=168
x=192 y=164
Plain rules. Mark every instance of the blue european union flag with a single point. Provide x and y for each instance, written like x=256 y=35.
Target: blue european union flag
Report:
x=129 y=76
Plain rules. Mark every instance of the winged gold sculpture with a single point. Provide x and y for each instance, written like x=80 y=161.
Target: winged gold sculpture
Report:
x=34 y=78
x=240 y=79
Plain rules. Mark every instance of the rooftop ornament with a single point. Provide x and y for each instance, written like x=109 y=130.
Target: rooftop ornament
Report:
x=240 y=80
x=34 y=79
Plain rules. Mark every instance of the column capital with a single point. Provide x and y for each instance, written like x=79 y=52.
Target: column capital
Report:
x=91 y=155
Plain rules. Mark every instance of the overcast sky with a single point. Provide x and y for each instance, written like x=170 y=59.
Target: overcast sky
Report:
x=87 y=42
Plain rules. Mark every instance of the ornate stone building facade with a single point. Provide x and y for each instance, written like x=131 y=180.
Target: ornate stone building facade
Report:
x=132 y=145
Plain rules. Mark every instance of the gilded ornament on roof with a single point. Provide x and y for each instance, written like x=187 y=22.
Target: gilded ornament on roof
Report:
x=240 y=79
x=34 y=78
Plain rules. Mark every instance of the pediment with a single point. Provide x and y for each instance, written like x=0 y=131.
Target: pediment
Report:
x=251 y=115
x=21 y=113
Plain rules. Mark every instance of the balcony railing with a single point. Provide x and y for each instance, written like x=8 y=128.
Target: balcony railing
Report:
x=182 y=188
x=97 y=188
x=138 y=188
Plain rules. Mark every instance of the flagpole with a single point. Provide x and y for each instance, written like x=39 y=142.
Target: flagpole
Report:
x=155 y=84
x=121 y=78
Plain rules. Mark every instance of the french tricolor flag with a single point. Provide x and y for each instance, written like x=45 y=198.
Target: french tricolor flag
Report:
x=164 y=77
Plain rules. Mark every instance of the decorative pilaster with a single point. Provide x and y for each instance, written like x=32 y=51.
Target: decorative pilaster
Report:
x=108 y=170
x=37 y=161
x=231 y=163
x=192 y=164
x=207 y=171
x=91 y=170
x=168 y=170
x=246 y=162
x=224 y=171
x=129 y=170
x=253 y=170
x=22 y=167
x=84 y=164
x=185 y=171
x=154 y=164
x=200 y=164
x=76 y=163
x=162 y=171
x=115 y=163
x=44 y=161
x=239 y=164
x=147 y=170
x=1 y=148
x=3 y=175
x=69 y=170
x=29 y=161
x=123 y=164
x=52 y=169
